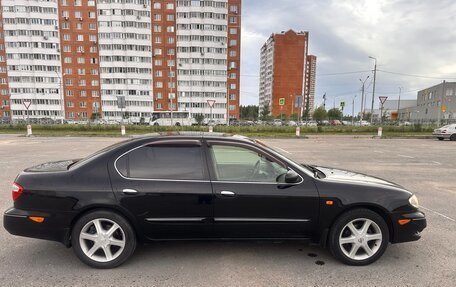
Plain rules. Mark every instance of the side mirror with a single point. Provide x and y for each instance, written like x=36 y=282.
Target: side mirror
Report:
x=289 y=178
x=292 y=177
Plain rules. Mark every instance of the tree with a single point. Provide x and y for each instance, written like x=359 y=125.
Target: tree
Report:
x=249 y=112
x=199 y=118
x=320 y=114
x=335 y=114
x=265 y=113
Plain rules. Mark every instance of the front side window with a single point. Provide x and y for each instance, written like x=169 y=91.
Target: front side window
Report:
x=163 y=162
x=232 y=163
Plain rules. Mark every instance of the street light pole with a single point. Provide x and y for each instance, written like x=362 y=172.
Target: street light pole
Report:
x=373 y=88
x=362 y=98
x=399 y=103
x=353 y=110
x=439 y=106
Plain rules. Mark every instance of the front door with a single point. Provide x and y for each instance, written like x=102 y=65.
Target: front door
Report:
x=165 y=185
x=249 y=203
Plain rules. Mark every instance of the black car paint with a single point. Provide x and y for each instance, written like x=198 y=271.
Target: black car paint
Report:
x=291 y=212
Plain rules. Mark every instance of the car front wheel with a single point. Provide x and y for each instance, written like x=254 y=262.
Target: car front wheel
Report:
x=359 y=237
x=103 y=239
x=453 y=137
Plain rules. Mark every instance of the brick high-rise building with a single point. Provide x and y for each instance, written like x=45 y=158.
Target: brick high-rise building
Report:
x=287 y=71
x=73 y=59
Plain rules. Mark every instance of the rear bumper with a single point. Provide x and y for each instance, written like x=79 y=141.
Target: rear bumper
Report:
x=16 y=222
x=410 y=231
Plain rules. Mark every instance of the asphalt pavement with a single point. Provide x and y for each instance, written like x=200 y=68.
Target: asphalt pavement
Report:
x=424 y=166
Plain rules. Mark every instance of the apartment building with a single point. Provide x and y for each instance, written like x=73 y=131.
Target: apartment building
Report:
x=287 y=71
x=77 y=59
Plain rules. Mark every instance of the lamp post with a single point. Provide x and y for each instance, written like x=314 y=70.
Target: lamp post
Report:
x=399 y=103
x=373 y=88
x=362 y=97
x=353 y=110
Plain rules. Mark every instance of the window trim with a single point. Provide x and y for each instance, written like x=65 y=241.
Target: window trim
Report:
x=196 y=143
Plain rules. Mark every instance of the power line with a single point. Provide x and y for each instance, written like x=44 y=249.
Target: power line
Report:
x=415 y=76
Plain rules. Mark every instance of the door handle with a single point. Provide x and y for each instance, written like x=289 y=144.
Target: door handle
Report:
x=129 y=191
x=227 y=193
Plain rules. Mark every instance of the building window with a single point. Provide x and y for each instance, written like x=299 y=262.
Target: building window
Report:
x=157 y=28
x=95 y=94
x=80 y=37
x=232 y=97
x=170 y=17
x=157 y=5
x=159 y=84
x=233 y=31
x=232 y=86
x=233 y=42
x=158 y=96
x=170 y=6
x=234 y=9
x=170 y=40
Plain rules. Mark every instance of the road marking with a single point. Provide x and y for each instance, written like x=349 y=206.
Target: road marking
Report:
x=281 y=149
x=378 y=151
x=438 y=213
x=436 y=162
x=406 y=156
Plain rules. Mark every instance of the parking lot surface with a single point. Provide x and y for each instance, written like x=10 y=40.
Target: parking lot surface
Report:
x=426 y=167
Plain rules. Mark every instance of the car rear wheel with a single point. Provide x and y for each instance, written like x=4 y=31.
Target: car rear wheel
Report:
x=103 y=239
x=453 y=137
x=440 y=139
x=359 y=237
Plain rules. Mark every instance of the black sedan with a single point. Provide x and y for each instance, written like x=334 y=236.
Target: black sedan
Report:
x=207 y=187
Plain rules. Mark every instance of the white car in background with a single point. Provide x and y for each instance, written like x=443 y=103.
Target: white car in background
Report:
x=445 y=132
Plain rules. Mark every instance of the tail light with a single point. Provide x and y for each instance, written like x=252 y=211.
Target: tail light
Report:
x=17 y=191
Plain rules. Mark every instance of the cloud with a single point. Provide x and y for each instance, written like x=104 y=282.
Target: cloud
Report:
x=406 y=36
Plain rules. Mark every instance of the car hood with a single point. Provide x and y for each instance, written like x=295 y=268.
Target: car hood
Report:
x=345 y=176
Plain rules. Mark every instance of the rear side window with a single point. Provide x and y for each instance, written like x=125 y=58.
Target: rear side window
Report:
x=163 y=162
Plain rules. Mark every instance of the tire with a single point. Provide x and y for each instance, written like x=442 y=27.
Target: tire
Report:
x=453 y=137
x=178 y=124
x=440 y=139
x=156 y=124
x=377 y=233
x=121 y=244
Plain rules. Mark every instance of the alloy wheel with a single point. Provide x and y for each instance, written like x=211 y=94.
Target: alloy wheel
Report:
x=102 y=240
x=360 y=239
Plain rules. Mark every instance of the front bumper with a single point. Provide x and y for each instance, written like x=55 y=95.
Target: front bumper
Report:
x=17 y=222
x=445 y=136
x=410 y=231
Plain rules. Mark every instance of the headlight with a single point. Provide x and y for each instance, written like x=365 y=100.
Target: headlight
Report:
x=413 y=200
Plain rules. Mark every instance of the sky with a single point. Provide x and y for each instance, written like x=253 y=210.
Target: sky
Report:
x=413 y=37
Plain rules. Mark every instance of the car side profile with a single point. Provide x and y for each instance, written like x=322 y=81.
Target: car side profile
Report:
x=445 y=132
x=184 y=186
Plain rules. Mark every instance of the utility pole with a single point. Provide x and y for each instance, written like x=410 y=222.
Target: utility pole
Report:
x=373 y=88
x=353 y=110
x=362 y=99
x=399 y=103
x=439 y=106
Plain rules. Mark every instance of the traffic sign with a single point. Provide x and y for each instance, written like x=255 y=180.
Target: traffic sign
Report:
x=382 y=99
x=211 y=103
x=27 y=104
x=342 y=105
x=282 y=102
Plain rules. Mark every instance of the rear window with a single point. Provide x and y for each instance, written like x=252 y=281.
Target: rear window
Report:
x=163 y=162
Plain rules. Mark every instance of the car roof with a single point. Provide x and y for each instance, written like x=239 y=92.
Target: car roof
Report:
x=189 y=134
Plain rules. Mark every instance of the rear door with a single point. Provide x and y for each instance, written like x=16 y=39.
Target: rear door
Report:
x=165 y=185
